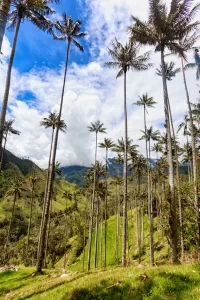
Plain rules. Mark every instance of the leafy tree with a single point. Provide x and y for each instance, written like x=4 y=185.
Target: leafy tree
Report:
x=71 y=32
x=164 y=30
x=8 y=128
x=35 y=12
x=15 y=190
x=96 y=127
x=126 y=58
x=31 y=181
x=107 y=144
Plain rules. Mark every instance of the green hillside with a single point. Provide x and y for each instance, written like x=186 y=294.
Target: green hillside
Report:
x=132 y=283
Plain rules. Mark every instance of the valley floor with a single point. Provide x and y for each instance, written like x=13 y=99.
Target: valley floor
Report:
x=158 y=283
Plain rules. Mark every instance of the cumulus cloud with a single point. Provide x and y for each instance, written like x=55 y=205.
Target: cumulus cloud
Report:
x=92 y=92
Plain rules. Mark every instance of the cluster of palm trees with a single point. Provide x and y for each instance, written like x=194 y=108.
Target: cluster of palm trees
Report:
x=174 y=30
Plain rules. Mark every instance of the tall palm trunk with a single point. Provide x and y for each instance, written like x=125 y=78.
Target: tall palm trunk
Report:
x=4 y=9
x=139 y=220
x=149 y=192
x=96 y=234
x=124 y=229
x=178 y=186
x=46 y=187
x=172 y=202
x=106 y=200
x=84 y=240
x=3 y=151
x=92 y=209
x=194 y=160
x=40 y=259
x=151 y=210
x=9 y=227
x=30 y=221
x=66 y=227
x=7 y=86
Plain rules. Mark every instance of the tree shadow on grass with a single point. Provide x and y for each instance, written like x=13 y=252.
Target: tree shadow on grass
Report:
x=161 y=287
x=53 y=286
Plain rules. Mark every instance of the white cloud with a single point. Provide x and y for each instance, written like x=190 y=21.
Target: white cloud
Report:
x=92 y=93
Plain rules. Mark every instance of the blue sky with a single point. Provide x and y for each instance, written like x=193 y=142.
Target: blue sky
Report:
x=37 y=49
x=92 y=91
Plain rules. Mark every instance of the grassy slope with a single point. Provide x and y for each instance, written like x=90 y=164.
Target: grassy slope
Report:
x=162 y=251
x=164 y=282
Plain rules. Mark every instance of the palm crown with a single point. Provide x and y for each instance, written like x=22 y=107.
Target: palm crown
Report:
x=97 y=127
x=108 y=144
x=8 y=128
x=52 y=121
x=150 y=134
x=170 y=70
x=126 y=57
x=69 y=31
x=145 y=101
x=34 y=11
x=165 y=29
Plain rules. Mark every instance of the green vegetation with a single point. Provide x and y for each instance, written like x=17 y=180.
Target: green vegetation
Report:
x=138 y=283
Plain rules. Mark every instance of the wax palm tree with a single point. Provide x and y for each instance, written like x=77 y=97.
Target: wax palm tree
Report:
x=148 y=136
x=138 y=166
x=51 y=121
x=157 y=148
x=4 y=9
x=107 y=144
x=164 y=30
x=97 y=128
x=67 y=196
x=15 y=190
x=35 y=12
x=31 y=181
x=147 y=102
x=99 y=170
x=72 y=33
x=170 y=70
x=8 y=128
x=126 y=58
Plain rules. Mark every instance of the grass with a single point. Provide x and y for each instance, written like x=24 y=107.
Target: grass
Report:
x=162 y=249
x=162 y=283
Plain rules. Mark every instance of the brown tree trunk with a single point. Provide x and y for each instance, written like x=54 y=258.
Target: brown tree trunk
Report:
x=9 y=228
x=4 y=9
x=194 y=162
x=124 y=229
x=92 y=210
x=3 y=151
x=106 y=204
x=172 y=202
x=29 y=223
x=7 y=86
x=41 y=251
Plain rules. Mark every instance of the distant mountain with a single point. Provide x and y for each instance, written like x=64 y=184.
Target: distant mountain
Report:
x=25 y=165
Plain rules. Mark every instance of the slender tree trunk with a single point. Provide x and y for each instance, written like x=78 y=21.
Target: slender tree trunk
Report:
x=106 y=200
x=46 y=188
x=139 y=221
x=92 y=210
x=40 y=259
x=96 y=235
x=101 y=245
x=124 y=231
x=4 y=9
x=194 y=160
x=84 y=240
x=178 y=185
x=9 y=227
x=7 y=86
x=3 y=151
x=29 y=223
x=66 y=227
x=172 y=202
x=151 y=211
